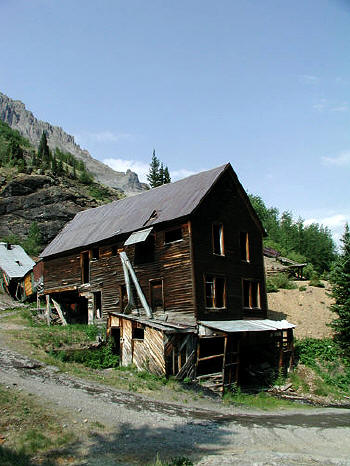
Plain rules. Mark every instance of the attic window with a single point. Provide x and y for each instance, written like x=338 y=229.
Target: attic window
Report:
x=171 y=236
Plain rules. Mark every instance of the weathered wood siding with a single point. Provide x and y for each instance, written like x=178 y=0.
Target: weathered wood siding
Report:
x=226 y=205
x=126 y=338
x=171 y=264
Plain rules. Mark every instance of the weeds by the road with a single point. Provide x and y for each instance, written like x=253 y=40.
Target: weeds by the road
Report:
x=278 y=281
x=27 y=428
x=261 y=400
x=330 y=371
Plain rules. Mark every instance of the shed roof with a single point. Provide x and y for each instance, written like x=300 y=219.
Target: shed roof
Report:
x=162 y=204
x=232 y=326
x=14 y=261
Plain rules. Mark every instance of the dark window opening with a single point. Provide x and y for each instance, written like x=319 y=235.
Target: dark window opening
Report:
x=85 y=267
x=138 y=332
x=244 y=246
x=98 y=305
x=123 y=298
x=114 y=250
x=215 y=291
x=95 y=253
x=173 y=235
x=251 y=294
x=144 y=251
x=156 y=287
x=218 y=239
x=115 y=338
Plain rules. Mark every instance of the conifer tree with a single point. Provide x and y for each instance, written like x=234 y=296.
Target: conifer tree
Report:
x=153 y=174
x=166 y=176
x=340 y=280
x=44 y=154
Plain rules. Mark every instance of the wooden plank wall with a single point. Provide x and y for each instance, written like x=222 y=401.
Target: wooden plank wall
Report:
x=171 y=264
x=225 y=205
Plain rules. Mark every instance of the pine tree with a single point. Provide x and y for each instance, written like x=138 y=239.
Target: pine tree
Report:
x=153 y=174
x=166 y=176
x=44 y=154
x=340 y=280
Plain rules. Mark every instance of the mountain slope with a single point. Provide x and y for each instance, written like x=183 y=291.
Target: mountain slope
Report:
x=15 y=114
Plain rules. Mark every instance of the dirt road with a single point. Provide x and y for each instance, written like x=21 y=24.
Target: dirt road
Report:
x=137 y=428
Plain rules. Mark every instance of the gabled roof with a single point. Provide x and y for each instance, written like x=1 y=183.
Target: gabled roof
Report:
x=14 y=261
x=165 y=203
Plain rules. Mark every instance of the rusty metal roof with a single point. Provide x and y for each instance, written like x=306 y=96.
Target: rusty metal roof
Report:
x=162 y=204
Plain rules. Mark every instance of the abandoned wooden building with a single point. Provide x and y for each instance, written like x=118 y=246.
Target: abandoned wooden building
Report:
x=178 y=273
x=15 y=266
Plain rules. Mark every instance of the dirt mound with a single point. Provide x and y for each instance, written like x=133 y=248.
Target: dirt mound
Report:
x=308 y=310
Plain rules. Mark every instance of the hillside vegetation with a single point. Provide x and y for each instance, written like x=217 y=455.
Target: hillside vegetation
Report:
x=41 y=190
x=295 y=240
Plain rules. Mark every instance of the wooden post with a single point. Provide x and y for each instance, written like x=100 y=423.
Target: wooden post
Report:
x=48 y=309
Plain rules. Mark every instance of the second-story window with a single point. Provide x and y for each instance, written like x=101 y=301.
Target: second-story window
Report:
x=251 y=294
x=244 y=246
x=215 y=292
x=218 y=239
x=95 y=253
x=85 y=267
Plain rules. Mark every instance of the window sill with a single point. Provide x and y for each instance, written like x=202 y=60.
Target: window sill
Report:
x=173 y=242
x=252 y=309
x=218 y=255
x=216 y=308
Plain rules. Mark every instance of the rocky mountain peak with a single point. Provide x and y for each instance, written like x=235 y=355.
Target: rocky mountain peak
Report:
x=15 y=114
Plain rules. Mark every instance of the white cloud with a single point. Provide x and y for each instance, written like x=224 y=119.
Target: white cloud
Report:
x=336 y=224
x=142 y=169
x=182 y=173
x=308 y=78
x=341 y=160
x=344 y=107
x=121 y=165
x=100 y=137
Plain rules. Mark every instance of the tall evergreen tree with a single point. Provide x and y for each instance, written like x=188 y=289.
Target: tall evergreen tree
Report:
x=166 y=176
x=153 y=174
x=340 y=280
x=44 y=154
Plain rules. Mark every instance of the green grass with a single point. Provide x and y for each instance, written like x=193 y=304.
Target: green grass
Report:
x=331 y=369
x=260 y=400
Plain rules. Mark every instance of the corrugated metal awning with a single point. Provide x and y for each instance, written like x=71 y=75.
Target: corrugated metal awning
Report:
x=138 y=236
x=232 y=326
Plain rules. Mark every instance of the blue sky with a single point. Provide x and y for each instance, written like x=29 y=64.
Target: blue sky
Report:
x=262 y=84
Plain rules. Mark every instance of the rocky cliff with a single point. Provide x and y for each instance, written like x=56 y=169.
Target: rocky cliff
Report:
x=47 y=201
x=15 y=114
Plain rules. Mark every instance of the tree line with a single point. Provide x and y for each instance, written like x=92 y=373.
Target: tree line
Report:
x=16 y=151
x=295 y=240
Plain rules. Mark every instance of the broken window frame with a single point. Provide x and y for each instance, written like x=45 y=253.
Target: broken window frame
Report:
x=137 y=331
x=214 y=296
x=251 y=293
x=244 y=246
x=170 y=231
x=97 y=315
x=218 y=244
x=153 y=282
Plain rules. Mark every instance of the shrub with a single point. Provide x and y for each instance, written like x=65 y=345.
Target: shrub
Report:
x=280 y=280
x=315 y=281
x=96 y=358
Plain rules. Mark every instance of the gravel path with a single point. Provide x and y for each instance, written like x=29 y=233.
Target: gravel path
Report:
x=137 y=428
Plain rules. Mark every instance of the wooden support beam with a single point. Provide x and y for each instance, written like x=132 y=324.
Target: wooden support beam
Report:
x=60 y=313
x=48 y=309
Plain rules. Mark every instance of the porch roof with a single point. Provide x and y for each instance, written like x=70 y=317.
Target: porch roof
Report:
x=233 y=326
